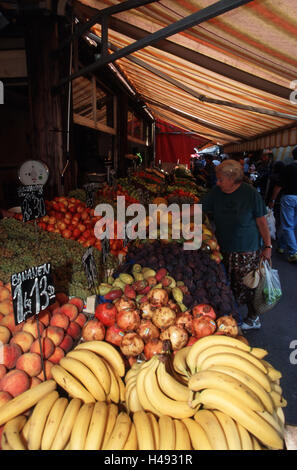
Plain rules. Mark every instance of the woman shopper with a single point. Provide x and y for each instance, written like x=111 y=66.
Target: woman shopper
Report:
x=238 y=212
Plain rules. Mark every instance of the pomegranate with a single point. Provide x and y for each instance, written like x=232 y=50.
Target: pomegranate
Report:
x=163 y=317
x=191 y=341
x=178 y=337
x=146 y=309
x=106 y=313
x=203 y=326
x=174 y=306
x=147 y=330
x=204 y=309
x=227 y=325
x=158 y=297
x=132 y=344
x=124 y=304
x=93 y=330
x=184 y=320
x=128 y=320
x=152 y=347
x=114 y=335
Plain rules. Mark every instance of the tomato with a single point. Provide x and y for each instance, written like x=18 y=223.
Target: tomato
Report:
x=106 y=313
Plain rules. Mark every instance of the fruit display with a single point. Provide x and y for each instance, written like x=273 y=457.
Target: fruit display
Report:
x=22 y=366
x=24 y=245
x=205 y=278
x=182 y=401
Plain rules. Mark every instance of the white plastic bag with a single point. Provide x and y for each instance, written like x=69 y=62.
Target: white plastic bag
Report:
x=271 y=223
x=272 y=290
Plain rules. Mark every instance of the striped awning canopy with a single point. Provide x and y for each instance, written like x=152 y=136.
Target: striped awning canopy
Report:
x=230 y=78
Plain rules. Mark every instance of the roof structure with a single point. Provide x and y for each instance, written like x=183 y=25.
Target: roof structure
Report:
x=225 y=70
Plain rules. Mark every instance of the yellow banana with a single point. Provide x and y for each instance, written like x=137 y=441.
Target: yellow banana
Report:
x=219 y=381
x=209 y=341
x=273 y=373
x=95 y=364
x=281 y=416
x=167 y=433
x=12 y=431
x=82 y=373
x=112 y=413
x=52 y=423
x=249 y=382
x=119 y=433
x=230 y=429
x=144 y=431
x=97 y=426
x=38 y=419
x=218 y=400
x=4 y=443
x=155 y=429
x=259 y=352
x=179 y=361
x=165 y=405
x=222 y=349
x=277 y=399
x=108 y=352
x=25 y=400
x=67 y=422
x=133 y=371
x=171 y=387
x=133 y=401
x=213 y=429
x=277 y=388
x=122 y=388
x=182 y=437
x=272 y=420
x=131 y=442
x=141 y=391
x=256 y=445
x=199 y=438
x=69 y=383
x=240 y=363
x=114 y=392
x=81 y=426
x=245 y=438
x=25 y=431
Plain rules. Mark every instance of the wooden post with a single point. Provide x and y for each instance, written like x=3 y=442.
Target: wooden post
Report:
x=122 y=140
x=48 y=111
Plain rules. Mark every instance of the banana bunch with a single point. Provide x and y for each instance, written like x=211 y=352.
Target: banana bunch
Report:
x=237 y=393
x=92 y=372
x=150 y=387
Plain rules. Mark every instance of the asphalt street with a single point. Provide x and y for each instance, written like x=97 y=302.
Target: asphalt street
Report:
x=278 y=334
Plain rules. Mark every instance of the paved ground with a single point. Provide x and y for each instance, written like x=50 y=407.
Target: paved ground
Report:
x=279 y=332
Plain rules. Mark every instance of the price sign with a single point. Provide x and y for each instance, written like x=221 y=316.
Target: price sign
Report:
x=32 y=291
x=90 y=189
x=90 y=267
x=32 y=202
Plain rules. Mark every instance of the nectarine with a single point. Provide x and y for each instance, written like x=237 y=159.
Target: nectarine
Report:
x=47 y=347
x=30 y=363
x=34 y=381
x=70 y=310
x=57 y=355
x=81 y=319
x=78 y=302
x=55 y=333
x=23 y=339
x=60 y=319
x=4 y=293
x=3 y=371
x=9 y=354
x=67 y=343
x=5 y=334
x=9 y=322
x=31 y=327
x=74 y=330
x=6 y=307
x=4 y=398
x=15 y=382
x=47 y=366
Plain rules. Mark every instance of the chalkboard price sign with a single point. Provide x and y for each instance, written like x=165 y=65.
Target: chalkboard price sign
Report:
x=90 y=268
x=32 y=291
x=32 y=202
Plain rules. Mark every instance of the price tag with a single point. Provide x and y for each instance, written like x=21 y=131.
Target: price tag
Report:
x=32 y=291
x=32 y=202
x=90 y=268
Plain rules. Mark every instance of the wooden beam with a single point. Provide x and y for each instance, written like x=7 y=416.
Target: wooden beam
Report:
x=205 y=14
x=83 y=121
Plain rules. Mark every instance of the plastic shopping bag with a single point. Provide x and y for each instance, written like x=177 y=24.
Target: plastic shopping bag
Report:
x=268 y=292
x=271 y=223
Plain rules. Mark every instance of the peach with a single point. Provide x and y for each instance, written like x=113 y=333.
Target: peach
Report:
x=9 y=322
x=1 y=316
x=57 y=355
x=55 y=333
x=5 y=334
x=53 y=306
x=4 y=397
x=60 y=319
x=47 y=366
x=47 y=347
x=67 y=343
x=3 y=371
x=61 y=298
x=6 y=307
x=31 y=327
x=56 y=310
x=23 y=339
x=4 y=293
x=70 y=310
x=10 y=353
x=34 y=381
x=44 y=317
x=15 y=382
x=81 y=319
x=30 y=363
x=74 y=330
x=78 y=302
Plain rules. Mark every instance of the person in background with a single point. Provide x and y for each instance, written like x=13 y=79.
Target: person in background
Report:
x=264 y=169
x=288 y=208
x=238 y=212
x=209 y=171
